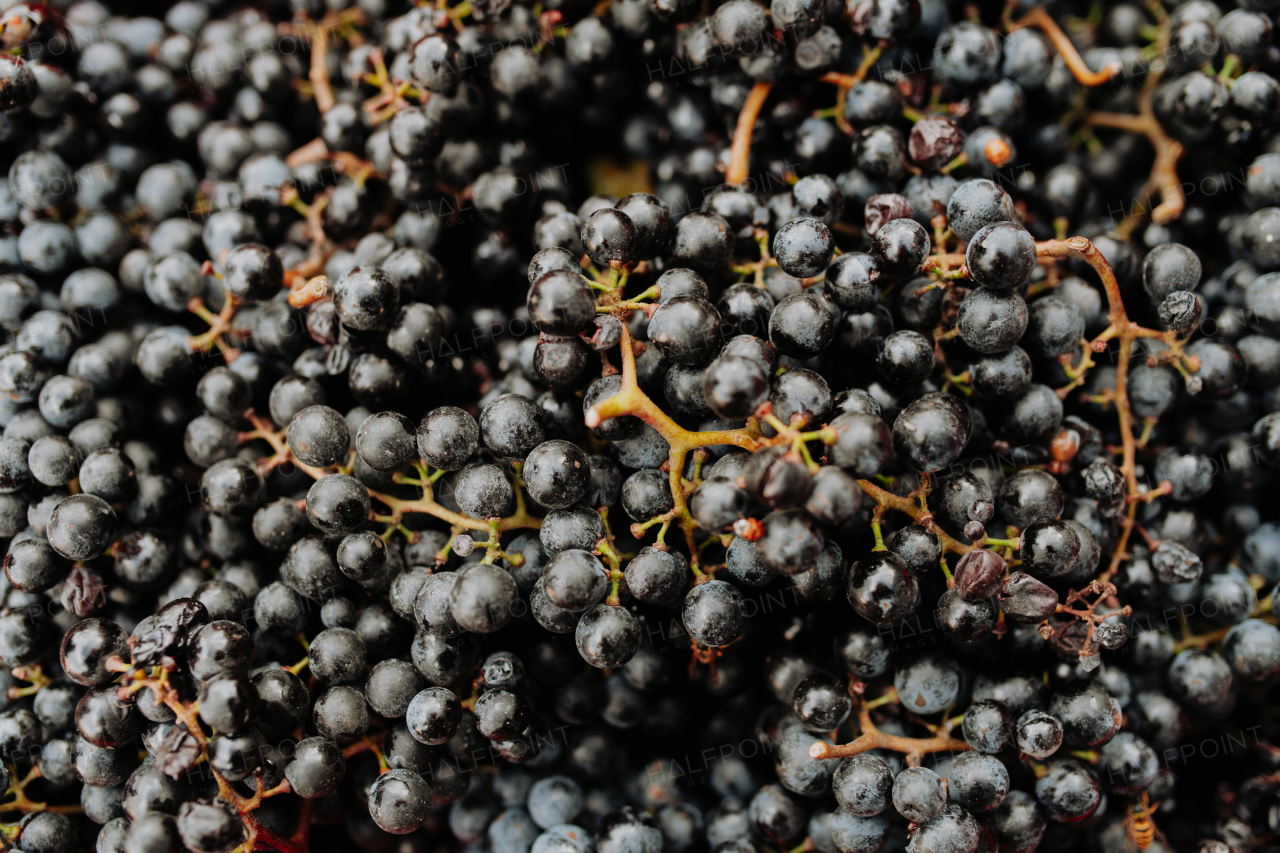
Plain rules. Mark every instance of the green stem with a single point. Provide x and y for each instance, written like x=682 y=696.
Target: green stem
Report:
x=889 y=698
x=605 y=549
x=825 y=435
x=1229 y=67
x=493 y=548
x=959 y=161
x=660 y=539
x=604 y=518
x=808 y=459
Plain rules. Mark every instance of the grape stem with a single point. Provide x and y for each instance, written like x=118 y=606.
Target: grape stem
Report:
x=1164 y=173
x=265 y=430
x=1087 y=613
x=945 y=264
x=630 y=400
x=34 y=674
x=399 y=507
x=20 y=803
x=308 y=291
x=1125 y=331
x=136 y=679
x=845 y=82
x=872 y=738
x=1198 y=641
x=373 y=743
x=1039 y=18
x=740 y=153
x=219 y=325
x=1076 y=374
x=427 y=504
x=369 y=743
x=913 y=506
x=322 y=248
x=318 y=73
x=605 y=549
x=391 y=93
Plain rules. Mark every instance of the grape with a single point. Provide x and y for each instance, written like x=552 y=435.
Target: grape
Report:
x=899 y=430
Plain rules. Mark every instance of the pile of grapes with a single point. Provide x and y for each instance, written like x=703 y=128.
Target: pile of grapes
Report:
x=639 y=426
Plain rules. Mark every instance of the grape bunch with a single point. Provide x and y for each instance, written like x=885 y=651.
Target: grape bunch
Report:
x=642 y=426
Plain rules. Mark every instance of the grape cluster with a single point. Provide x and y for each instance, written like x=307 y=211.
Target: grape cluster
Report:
x=642 y=426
